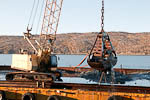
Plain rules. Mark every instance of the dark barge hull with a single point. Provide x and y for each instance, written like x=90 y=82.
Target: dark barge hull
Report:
x=71 y=69
x=121 y=70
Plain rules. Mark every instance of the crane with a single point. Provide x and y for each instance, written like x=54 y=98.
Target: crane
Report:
x=42 y=63
x=102 y=55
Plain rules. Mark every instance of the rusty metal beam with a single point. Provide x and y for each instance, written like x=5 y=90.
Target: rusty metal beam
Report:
x=73 y=86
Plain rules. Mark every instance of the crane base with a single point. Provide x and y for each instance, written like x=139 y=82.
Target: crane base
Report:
x=34 y=76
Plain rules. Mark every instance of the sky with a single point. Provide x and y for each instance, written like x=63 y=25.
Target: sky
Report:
x=79 y=16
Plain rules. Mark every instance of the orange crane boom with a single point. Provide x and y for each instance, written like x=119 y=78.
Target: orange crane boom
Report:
x=51 y=20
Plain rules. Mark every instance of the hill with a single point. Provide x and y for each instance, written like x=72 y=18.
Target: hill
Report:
x=81 y=43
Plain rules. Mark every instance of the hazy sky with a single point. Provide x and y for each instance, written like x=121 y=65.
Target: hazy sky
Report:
x=80 y=16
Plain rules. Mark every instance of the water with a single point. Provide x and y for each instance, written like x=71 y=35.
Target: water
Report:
x=77 y=80
x=131 y=62
x=5 y=59
x=70 y=60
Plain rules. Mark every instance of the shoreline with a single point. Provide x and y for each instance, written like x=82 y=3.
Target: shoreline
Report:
x=78 y=54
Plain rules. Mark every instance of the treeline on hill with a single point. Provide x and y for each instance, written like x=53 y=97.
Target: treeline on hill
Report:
x=81 y=43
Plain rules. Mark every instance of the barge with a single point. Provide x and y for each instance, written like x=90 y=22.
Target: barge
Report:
x=42 y=60
x=35 y=90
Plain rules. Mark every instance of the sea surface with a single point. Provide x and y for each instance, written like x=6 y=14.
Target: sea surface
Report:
x=131 y=62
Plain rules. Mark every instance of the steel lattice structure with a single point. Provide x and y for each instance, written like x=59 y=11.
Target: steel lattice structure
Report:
x=51 y=20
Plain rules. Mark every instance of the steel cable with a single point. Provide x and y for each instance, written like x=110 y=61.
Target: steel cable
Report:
x=31 y=13
x=40 y=17
x=102 y=17
x=35 y=13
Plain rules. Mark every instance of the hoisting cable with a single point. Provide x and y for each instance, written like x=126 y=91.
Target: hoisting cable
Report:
x=93 y=46
x=31 y=13
x=102 y=17
x=102 y=30
x=102 y=26
x=34 y=17
x=40 y=17
x=81 y=62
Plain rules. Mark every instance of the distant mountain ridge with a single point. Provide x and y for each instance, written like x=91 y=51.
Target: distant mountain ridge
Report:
x=81 y=43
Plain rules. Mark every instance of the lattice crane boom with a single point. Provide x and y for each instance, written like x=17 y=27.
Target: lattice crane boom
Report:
x=41 y=60
x=50 y=21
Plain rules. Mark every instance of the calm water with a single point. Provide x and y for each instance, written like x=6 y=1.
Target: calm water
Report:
x=140 y=62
